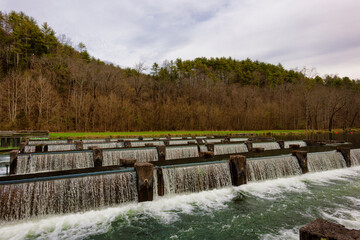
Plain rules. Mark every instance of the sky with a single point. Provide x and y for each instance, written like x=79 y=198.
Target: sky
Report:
x=322 y=36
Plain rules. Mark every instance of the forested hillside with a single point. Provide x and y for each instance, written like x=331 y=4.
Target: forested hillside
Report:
x=46 y=83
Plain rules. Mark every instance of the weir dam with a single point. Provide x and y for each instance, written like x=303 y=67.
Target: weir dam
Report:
x=56 y=177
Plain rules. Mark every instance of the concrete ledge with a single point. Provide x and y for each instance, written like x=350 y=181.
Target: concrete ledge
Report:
x=321 y=229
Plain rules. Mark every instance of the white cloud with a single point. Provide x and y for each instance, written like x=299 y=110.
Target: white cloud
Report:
x=323 y=34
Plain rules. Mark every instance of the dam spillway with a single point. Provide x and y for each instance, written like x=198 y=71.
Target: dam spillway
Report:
x=185 y=179
x=325 y=161
x=174 y=179
x=38 y=198
x=272 y=168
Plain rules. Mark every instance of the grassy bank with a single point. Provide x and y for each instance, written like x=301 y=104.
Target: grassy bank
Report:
x=64 y=135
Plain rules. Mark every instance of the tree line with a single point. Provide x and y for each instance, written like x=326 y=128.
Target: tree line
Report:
x=46 y=83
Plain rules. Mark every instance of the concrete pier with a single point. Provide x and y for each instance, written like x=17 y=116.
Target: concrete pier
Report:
x=161 y=153
x=238 y=169
x=128 y=162
x=160 y=182
x=281 y=144
x=145 y=174
x=13 y=161
x=79 y=145
x=97 y=157
x=302 y=159
x=345 y=151
x=249 y=145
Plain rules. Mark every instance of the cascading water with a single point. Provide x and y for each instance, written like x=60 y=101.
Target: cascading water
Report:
x=300 y=143
x=52 y=147
x=176 y=138
x=102 y=145
x=203 y=148
x=43 y=162
x=29 y=148
x=221 y=149
x=112 y=157
x=4 y=160
x=267 y=145
x=181 y=152
x=178 y=142
x=213 y=140
x=325 y=161
x=61 y=147
x=196 y=178
x=93 y=140
x=355 y=157
x=142 y=144
x=238 y=139
x=272 y=167
x=25 y=200
x=47 y=142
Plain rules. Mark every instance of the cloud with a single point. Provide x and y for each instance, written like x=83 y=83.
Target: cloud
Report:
x=323 y=34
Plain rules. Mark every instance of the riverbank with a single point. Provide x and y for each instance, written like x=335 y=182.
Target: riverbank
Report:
x=65 y=135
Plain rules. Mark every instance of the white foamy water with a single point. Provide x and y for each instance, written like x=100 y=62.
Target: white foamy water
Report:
x=272 y=189
x=169 y=209
x=80 y=225
x=283 y=234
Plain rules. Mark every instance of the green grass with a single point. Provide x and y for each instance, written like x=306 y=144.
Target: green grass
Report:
x=8 y=148
x=64 y=135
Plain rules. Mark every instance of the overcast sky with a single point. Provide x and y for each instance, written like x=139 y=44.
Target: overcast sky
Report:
x=320 y=34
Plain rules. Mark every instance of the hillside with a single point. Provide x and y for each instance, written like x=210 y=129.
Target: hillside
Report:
x=46 y=83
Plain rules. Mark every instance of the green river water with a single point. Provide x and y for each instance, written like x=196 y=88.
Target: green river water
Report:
x=272 y=209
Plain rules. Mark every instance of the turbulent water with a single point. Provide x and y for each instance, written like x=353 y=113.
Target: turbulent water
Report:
x=196 y=178
x=267 y=145
x=221 y=149
x=273 y=209
x=42 y=162
x=272 y=167
x=181 y=152
x=325 y=161
x=112 y=157
x=265 y=208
